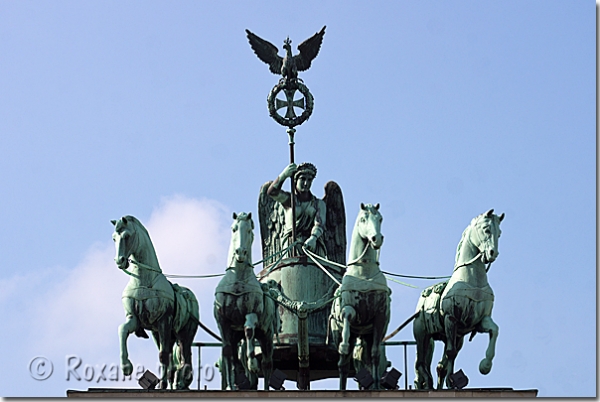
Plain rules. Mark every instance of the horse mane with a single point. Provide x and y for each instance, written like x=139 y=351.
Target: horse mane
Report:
x=138 y=223
x=471 y=225
x=141 y=229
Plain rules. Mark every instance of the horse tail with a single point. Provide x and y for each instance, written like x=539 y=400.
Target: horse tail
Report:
x=328 y=329
x=404 y=324
x=141 y=333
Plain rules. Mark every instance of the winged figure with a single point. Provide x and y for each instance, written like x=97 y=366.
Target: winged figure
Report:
x=320 y=223
x=288 y=66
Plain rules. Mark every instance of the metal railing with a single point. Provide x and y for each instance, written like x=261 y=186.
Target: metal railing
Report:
x=405 y=344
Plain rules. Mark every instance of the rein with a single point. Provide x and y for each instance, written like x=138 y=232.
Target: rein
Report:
x=274 y=267
x=479 y=255
x=314 y=257
x=310 y=254
x=472 y=260
x=363 y=254
x=139 y=264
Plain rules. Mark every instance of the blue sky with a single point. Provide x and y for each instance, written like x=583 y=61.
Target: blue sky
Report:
x=439 y=111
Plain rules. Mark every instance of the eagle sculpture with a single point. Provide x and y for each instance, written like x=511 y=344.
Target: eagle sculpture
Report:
x=288 y=66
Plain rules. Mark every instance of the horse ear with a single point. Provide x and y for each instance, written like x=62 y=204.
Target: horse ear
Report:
x=124 y=219
x=501 y=217
x=362 y=206
x=249 y=215
x=114 y=222
x=377 y=206
x=489 y=213
x=234 y=216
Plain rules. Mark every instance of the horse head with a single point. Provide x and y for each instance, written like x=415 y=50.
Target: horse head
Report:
x=485 y=233
x=368 y=225
x=242 y=236
x=124 y=237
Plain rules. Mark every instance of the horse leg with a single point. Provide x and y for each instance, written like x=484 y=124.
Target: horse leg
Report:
x=129 y=326
x=344 y=362
x=239 y=359
x=348 y=315
x=442 y=369
x=425 y=346
x=165 y=350
x=172 y=362
x=446 y=365
x=368 y=342
x=227 y=362
x=249 y=330
x=185 y=371
x=489 y=326
x=266 y=347
x=430 y=347
x=176 y=363
x=228 y=354
x=379 y=328
x=450 y=350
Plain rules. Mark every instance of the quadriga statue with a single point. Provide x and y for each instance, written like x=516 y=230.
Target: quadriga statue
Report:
x=449 y=310
x=153 y=303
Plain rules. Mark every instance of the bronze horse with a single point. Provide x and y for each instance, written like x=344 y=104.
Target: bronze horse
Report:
x=243 y=312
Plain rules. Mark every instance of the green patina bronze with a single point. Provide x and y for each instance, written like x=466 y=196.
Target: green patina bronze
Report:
x=449 y=310
x=288 y=67
x=243 y=311
x=311 y=215
x=153 y=303
x=304 y=240
x=319 y=227
x=362 y=309
x=325 y=314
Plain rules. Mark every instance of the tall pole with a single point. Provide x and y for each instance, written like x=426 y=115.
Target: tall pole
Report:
x=289 y=84
x=291 y=131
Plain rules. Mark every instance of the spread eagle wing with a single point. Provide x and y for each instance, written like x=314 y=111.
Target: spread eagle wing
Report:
x=335 y=222
x=308 y=50
x=267 y=52
x=272 y=221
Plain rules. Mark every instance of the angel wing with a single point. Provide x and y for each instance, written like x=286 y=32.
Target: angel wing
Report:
x=309 y=50
x=272 y=221
x=267 y=52
x=335 y=222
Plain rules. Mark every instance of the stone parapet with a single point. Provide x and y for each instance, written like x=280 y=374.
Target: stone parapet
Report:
x=446 y=393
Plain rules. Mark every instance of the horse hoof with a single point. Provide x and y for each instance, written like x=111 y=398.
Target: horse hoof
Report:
x=485 y=366
x=127 y=368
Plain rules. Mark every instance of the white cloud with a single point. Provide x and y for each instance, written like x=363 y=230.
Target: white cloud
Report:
x=190 y=236
x=78 y=311
x=55 y=312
